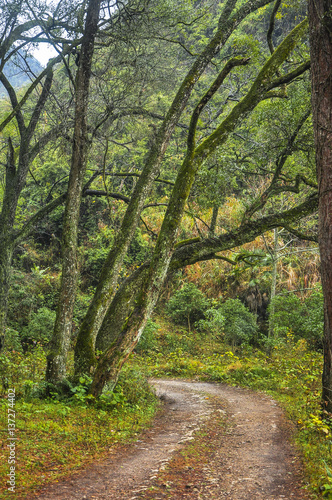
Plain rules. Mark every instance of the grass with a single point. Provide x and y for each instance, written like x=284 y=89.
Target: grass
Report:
x=290 y=373
x=57 y=437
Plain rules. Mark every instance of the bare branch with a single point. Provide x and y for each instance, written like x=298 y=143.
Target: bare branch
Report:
x=271 y=25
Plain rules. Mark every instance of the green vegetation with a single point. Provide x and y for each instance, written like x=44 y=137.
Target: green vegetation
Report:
x=187 y=305
x=63 y=432
x=304 y=318
x=163 y=161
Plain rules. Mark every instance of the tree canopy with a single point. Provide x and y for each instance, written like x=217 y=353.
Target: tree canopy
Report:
x=171 y=132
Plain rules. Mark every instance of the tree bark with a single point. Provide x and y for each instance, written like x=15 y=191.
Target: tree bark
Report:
x=59 y=345
x=320 y=22
x=213 y=223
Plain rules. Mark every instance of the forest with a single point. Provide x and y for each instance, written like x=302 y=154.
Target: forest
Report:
x=165 y=211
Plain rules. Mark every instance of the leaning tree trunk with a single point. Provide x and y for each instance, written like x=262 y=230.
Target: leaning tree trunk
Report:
x=85 y=347
x=130 y=332
x=59 y=345
x=320 y=22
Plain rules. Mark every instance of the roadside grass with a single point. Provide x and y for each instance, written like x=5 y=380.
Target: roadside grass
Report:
x=290 y=372
x=57 y=436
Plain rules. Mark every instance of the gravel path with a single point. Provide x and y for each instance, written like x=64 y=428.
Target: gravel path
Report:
x=252 y=458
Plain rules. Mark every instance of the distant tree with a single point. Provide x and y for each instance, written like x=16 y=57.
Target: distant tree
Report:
x=240 y=324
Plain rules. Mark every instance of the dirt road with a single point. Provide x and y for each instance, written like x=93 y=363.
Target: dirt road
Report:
x=211 y=441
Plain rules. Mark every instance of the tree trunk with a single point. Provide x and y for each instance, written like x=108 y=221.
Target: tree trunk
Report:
x=6 y=252
x=106 y=289
x=320 y=22
x=114 y=357
x=59 y=345
x=213 y=223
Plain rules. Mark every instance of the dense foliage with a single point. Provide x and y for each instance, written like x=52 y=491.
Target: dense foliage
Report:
x=197 y=198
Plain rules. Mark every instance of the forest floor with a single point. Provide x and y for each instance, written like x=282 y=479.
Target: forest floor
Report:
x=209 y=441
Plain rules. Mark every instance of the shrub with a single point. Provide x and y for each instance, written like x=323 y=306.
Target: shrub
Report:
x=313 y=326
x=187 y=305
x=13 y=340
x=40 y=327
x=240 y=324
x=287 y=316
x=213 y=323
x=132 y=390
x=303 y=319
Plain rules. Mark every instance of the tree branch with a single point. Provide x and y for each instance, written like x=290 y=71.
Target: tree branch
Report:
x=14 y=102
x=273 y=188
x=271 y=25
x=205 y=249
x=40 y=104
x=300 y=235
x=232 y=63
x=291 y=76
x=256 y=94
x=18 y=105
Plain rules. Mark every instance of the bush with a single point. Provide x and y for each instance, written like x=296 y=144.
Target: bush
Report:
x=187 y=305
x=213 y=323
x=132 y=390
x=40 y=327
x=303 y=319
x=16 y=370
x=240 y=324
x=313 y=326
x=13 y=341
x=288 y=314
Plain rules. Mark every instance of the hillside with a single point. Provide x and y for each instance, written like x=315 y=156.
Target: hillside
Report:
x=20 y=71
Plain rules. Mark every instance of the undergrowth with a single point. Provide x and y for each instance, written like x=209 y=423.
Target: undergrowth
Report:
x=64 y=432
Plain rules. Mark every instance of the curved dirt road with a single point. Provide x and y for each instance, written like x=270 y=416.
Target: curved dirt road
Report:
x=250 y=457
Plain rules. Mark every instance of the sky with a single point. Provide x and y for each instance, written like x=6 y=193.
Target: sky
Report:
x=43 y=53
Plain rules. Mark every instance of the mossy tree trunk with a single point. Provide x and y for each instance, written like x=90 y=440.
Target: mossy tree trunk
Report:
x=85 y=347
x=59 y=345
x=320 y=18
x=130 y=332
